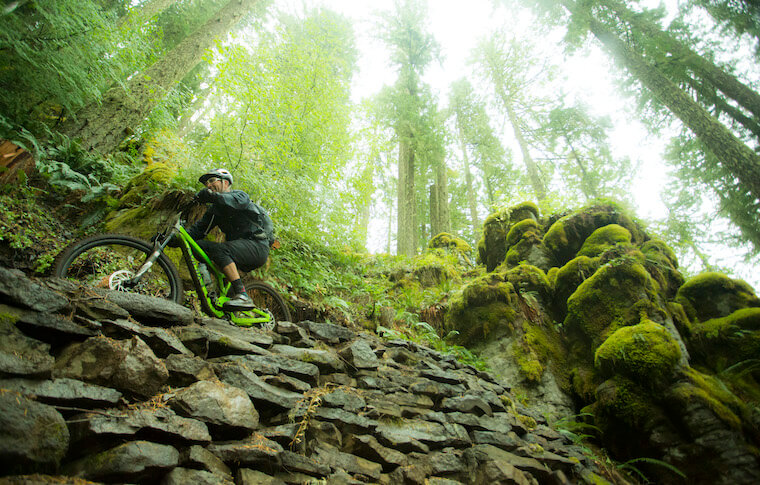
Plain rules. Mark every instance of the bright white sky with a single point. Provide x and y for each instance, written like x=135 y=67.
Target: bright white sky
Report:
x=458 y=26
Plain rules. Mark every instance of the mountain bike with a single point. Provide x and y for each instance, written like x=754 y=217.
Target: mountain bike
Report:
x=125 y=263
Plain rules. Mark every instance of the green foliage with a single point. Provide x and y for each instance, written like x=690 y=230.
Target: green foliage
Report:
x=52 y=59
x=423 y=333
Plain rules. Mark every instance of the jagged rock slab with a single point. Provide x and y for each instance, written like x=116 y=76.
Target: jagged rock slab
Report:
x=360 y=355
x=150 y=310
x=208 y=343
x=185 y=476
x=21 y=355
x=16 y=289
x=162 y=424
x=185 y=370
x=64 y=391
x=246 y=476
x=252 y=335
x=258 y=390
x=339 y=460
x=162 y=342
x=38 y=479
x=328 y=361
x=32 y=435
x=49 y=328
x=198 y=457
x=399 y=434
x=295 y=462
x=328 y=332
x=134 y=462
x=254 y=451
x=127 y=365
x=368 y=447
x=216 y=403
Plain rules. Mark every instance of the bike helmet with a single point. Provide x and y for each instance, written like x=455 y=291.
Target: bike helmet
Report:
x=221 y=173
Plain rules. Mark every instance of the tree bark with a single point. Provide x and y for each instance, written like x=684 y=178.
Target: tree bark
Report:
x=101 y=127
x=735 y=156
x=471 y=200
x=440 y=215
x=407 y=210
x=533 y=173
x=718 y=77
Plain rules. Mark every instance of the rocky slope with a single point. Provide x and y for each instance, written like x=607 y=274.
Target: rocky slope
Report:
x=115 y=388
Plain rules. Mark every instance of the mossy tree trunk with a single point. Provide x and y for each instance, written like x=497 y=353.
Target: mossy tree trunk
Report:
x=735 y=156
x=440 y=215
x=533 y=172
x=471 y=198
x=102 y=126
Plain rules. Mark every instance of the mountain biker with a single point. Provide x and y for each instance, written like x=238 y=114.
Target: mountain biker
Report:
x=247 y=228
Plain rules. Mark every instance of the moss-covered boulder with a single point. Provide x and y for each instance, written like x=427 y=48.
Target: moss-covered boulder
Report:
x=482 y=309
x=721 y=343
x=530 y=280
x=153 y=180
x=715 y=295
x=620 y=293
x=524 y=243
x=492 y=248
x=662 y=264
x=645 y=352
x=453 y=245
x=523 y=211
x=434 y=267
x=569 y=277
x=603 y=239
x=567 y=235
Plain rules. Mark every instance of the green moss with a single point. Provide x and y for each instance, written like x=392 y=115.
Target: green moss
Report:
x=622 y=406
x=722 y=342
x=153 y=180
x=570 y=276
x=519 y=230
x=448 y=241
x=659 y=247
x=495 y=230
x=567 y=235
x=531 y=279
x=551 y=276
x=713 y=295
x=713 y=393
x=530 y=367
x=620 y=293
x=482 y=309
x=646 y=353
x=603 y=239
x=523 y=211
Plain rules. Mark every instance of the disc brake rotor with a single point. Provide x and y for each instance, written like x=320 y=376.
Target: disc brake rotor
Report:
x=116 y=280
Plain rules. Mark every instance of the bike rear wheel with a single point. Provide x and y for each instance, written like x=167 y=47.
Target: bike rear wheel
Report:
x=266 y=298
x=110 y=260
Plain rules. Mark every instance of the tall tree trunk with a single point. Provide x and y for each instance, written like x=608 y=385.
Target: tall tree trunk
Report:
x=471 y=200
x=407 y=210
x=735 y=156
x=533 y=173
x=440 y=215
x=102 y=127
x=718 y=77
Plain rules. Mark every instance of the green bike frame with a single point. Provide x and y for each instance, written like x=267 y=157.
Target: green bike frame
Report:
x=192 y=254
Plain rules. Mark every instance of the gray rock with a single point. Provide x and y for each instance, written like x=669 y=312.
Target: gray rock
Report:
x=134 y=461
x=348 y=462
x=328 y=332
x=327 y=361
x=207 y=342
x=32 y=435
x=151 y=310
x=64 y=391
x=366 y=446
x=340 y=398
x=127 y=365
x=295 y=462
x=467 y=404
x=399 y=434
x=21 y=355
x=198 y=457
x=258 y=390
x=246 y=476
x=264 y=362
x=184 y=370
x=253 y=451
x=162 y=343
x=436 y=389
x=288 y=383
x=360 y=355
x=49 y=328
x=18 y=290
x=160 y=423
x=252 y=335
x=185 y=476
x=216 y=403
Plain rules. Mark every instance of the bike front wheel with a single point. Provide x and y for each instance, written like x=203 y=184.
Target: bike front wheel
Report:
x=266 y=298
x=111 y=260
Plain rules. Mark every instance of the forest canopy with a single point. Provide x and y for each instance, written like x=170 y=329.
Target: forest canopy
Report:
x=376 y=128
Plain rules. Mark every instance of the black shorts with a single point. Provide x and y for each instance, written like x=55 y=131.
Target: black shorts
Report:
x=245 y=253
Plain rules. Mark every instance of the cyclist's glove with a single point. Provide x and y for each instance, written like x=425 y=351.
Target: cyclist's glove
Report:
x=204 y=196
